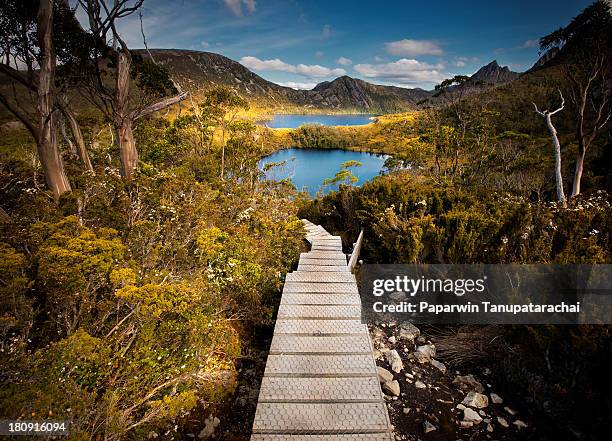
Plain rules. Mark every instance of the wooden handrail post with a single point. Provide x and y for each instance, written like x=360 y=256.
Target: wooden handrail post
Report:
x=355 y=254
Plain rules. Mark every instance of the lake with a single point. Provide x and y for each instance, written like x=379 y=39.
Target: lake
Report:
x=308 y=168
x=293 y=121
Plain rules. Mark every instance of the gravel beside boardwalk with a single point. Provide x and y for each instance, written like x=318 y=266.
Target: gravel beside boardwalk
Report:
x=320 y=381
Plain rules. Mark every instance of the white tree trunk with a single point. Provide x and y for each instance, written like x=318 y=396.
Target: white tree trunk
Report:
x=578 y=173
x=557 y=147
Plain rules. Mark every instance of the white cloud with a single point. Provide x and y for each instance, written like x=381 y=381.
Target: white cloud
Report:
x=530 y=44
x=298 y=85
x=276 y=64
x=204 y=44
x=236 y=6
x=412 y=48
x=266 y=65
x=407 y=72
x=344 y=61
x=316 y=71
x=326 y=32
x=464 y=61
x=319 y=54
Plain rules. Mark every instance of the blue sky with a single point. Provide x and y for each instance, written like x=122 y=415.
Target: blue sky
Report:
x=409 y=44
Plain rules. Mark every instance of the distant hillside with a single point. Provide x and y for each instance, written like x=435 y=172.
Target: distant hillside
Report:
x=545 y=59
x=348 y=92
x=197 y=71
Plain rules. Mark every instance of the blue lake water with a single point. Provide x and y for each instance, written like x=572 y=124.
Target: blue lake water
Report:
x=293 y=121
x=308 y=168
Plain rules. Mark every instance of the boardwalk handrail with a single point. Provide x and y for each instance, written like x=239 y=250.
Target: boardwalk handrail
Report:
x=355 y=254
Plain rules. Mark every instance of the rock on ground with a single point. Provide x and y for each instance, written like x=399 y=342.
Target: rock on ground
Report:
x=210 y=424
x=419 y=385
x=510 y=411
x=438 y=365
x=468 y=383
x=429 y=350
x=520 y=425
x=496 y=399
x=409 y=332
x=428 y=427
x=471 y=416
x=474 y=399
x=395 y=361
x=502 y=421
x=384 y=375
x=392 y=387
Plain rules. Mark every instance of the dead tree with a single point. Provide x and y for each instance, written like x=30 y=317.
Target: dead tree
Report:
x=547 y=115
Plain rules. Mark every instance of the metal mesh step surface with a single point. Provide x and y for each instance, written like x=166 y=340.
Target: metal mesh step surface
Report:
x=326 y=254
x=319 y=312
x=323 y=262
x=320 y=389
x=330 y=248
x=321 y=417
x=320 y=327
x=336 y=437
x=334 y=240
x=296 y=344
x=322 y=268
x=321 y=365
x=320 y=278
x=297 y=298
x=347 y=287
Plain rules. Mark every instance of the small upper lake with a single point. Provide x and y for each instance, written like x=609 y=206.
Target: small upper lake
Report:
x=293 y=121
x=308 y=168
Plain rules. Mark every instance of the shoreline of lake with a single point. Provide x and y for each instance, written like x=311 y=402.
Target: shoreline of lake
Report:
x=296 y=120
x=307 y=168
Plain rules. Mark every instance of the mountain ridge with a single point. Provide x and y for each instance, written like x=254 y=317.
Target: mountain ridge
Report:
x=197 y=71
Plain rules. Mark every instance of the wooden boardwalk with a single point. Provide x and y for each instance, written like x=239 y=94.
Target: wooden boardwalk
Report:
x=320 y=381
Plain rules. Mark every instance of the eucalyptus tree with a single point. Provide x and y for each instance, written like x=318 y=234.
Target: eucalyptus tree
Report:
x=111 y=68
x=547 y=115
x=28 y=58
x=585 y=47
x=222 y=105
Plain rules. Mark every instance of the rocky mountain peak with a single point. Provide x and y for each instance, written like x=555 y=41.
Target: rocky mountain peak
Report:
x=493 y=73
